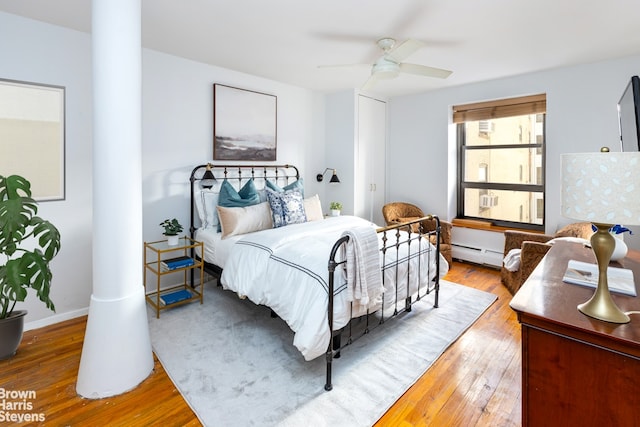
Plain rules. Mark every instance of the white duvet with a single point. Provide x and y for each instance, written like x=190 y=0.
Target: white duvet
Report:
x=286 y=269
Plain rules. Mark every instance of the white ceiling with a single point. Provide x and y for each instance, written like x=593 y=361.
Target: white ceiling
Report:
x=286 y=40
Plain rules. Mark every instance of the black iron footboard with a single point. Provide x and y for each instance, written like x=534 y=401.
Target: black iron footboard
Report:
x=411 y=240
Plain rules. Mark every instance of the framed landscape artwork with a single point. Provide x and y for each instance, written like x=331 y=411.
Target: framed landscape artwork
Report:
x=32 y=136
x=244 y=124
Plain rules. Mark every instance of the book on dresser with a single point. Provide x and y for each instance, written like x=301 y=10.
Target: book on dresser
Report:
x=586 y=274
x=175 y=263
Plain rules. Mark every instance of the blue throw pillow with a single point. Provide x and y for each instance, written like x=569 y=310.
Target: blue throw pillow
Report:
x=230 y=198
x=287 y=207
x=295 y=185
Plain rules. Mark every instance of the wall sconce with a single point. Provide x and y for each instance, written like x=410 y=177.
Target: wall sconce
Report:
x=334 y=177
x=208 y=180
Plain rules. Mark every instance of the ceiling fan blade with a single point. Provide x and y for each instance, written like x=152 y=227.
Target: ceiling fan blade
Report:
x=423 y=70
x=370 y=83
x=404 y=49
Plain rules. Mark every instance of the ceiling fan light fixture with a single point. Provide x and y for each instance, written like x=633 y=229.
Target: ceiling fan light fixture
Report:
x=385 y=69
x=386 y=43
x=392 y=62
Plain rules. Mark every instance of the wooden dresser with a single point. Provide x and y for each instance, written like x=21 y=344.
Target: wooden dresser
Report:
x=576 y=371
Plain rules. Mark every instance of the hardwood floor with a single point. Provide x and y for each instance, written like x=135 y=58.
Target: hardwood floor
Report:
x=476 y=382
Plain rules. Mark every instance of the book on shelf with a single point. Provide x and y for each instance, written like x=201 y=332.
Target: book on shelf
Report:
x=175 y=296
x=171 y=267
x=620 y=280
x=177 y=262
x=177 y=259
x=174 y=263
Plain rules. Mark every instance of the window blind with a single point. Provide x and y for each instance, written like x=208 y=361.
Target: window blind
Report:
x=533 y=104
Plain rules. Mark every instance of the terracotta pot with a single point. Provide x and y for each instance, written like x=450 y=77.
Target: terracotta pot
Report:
x=11 y=333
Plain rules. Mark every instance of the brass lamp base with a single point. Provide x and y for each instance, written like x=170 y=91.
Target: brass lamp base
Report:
x=601 y=306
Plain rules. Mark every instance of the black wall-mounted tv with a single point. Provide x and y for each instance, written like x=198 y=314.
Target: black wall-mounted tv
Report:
x=629 y=116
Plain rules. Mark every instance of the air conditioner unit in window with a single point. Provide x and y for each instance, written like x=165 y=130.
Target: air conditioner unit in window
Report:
x=488 y=201
x=485 y=126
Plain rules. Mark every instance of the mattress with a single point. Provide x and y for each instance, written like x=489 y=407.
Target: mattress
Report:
x=216 y=249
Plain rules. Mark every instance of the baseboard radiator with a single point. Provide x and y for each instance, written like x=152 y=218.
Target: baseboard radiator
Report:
x=477 y=255
x=478 y=246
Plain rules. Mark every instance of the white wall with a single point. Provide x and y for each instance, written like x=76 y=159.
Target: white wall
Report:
x=177 y=124
x=340 y=149
x=40 y=53
x=581 y=116
x=177 y=106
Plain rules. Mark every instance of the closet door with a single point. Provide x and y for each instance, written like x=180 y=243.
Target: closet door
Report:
x=370 y=157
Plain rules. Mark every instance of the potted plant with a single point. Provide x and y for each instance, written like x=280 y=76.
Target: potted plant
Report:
x=171 y=229
x=22 y=266
x=335 y=207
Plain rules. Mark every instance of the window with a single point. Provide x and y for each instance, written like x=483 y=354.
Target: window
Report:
x=501 y=161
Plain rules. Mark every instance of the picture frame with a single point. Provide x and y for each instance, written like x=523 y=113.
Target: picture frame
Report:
x=32 y=136
x=244 y=124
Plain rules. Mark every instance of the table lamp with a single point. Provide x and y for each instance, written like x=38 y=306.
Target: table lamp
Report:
x=604 y=189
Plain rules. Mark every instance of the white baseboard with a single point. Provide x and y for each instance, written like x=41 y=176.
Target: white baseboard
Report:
x=56 y=318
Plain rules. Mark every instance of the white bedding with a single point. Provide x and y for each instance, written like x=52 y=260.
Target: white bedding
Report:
x=286 y=269
x=216 y=249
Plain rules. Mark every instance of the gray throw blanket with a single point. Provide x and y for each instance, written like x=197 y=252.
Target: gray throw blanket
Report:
x=362 y=266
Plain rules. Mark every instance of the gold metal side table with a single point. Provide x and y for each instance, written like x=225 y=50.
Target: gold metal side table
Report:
x=156 y=257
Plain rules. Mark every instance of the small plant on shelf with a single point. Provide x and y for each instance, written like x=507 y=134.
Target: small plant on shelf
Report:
x=335 y=208
x=171 y=227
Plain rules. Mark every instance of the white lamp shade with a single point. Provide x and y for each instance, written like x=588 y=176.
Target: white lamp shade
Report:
x=602 y=187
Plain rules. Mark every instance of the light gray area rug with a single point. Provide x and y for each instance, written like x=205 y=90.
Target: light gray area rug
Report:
x=236 y=366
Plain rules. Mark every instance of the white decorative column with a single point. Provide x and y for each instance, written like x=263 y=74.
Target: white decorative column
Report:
x=116 y=355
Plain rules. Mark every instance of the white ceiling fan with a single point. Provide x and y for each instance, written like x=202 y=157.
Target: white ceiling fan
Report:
x=390 y=64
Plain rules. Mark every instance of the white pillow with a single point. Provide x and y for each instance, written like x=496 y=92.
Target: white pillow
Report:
x=244 y=220
x=313 y=208
x=206 y=202
x=586 y=242
x=512 y=260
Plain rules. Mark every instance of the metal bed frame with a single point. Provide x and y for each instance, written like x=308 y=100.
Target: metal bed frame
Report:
x=393 y=239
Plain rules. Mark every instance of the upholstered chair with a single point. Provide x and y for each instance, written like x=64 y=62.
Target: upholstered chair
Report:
x=532 y=247
x=399 y=212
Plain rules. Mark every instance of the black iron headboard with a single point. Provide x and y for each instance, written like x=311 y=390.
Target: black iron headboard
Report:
x=237 y=175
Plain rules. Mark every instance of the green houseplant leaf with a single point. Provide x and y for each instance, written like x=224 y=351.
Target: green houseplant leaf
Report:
x=171 y=227
x=23 y=268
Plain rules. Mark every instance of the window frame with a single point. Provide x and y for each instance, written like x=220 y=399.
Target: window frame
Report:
x=462 y=149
